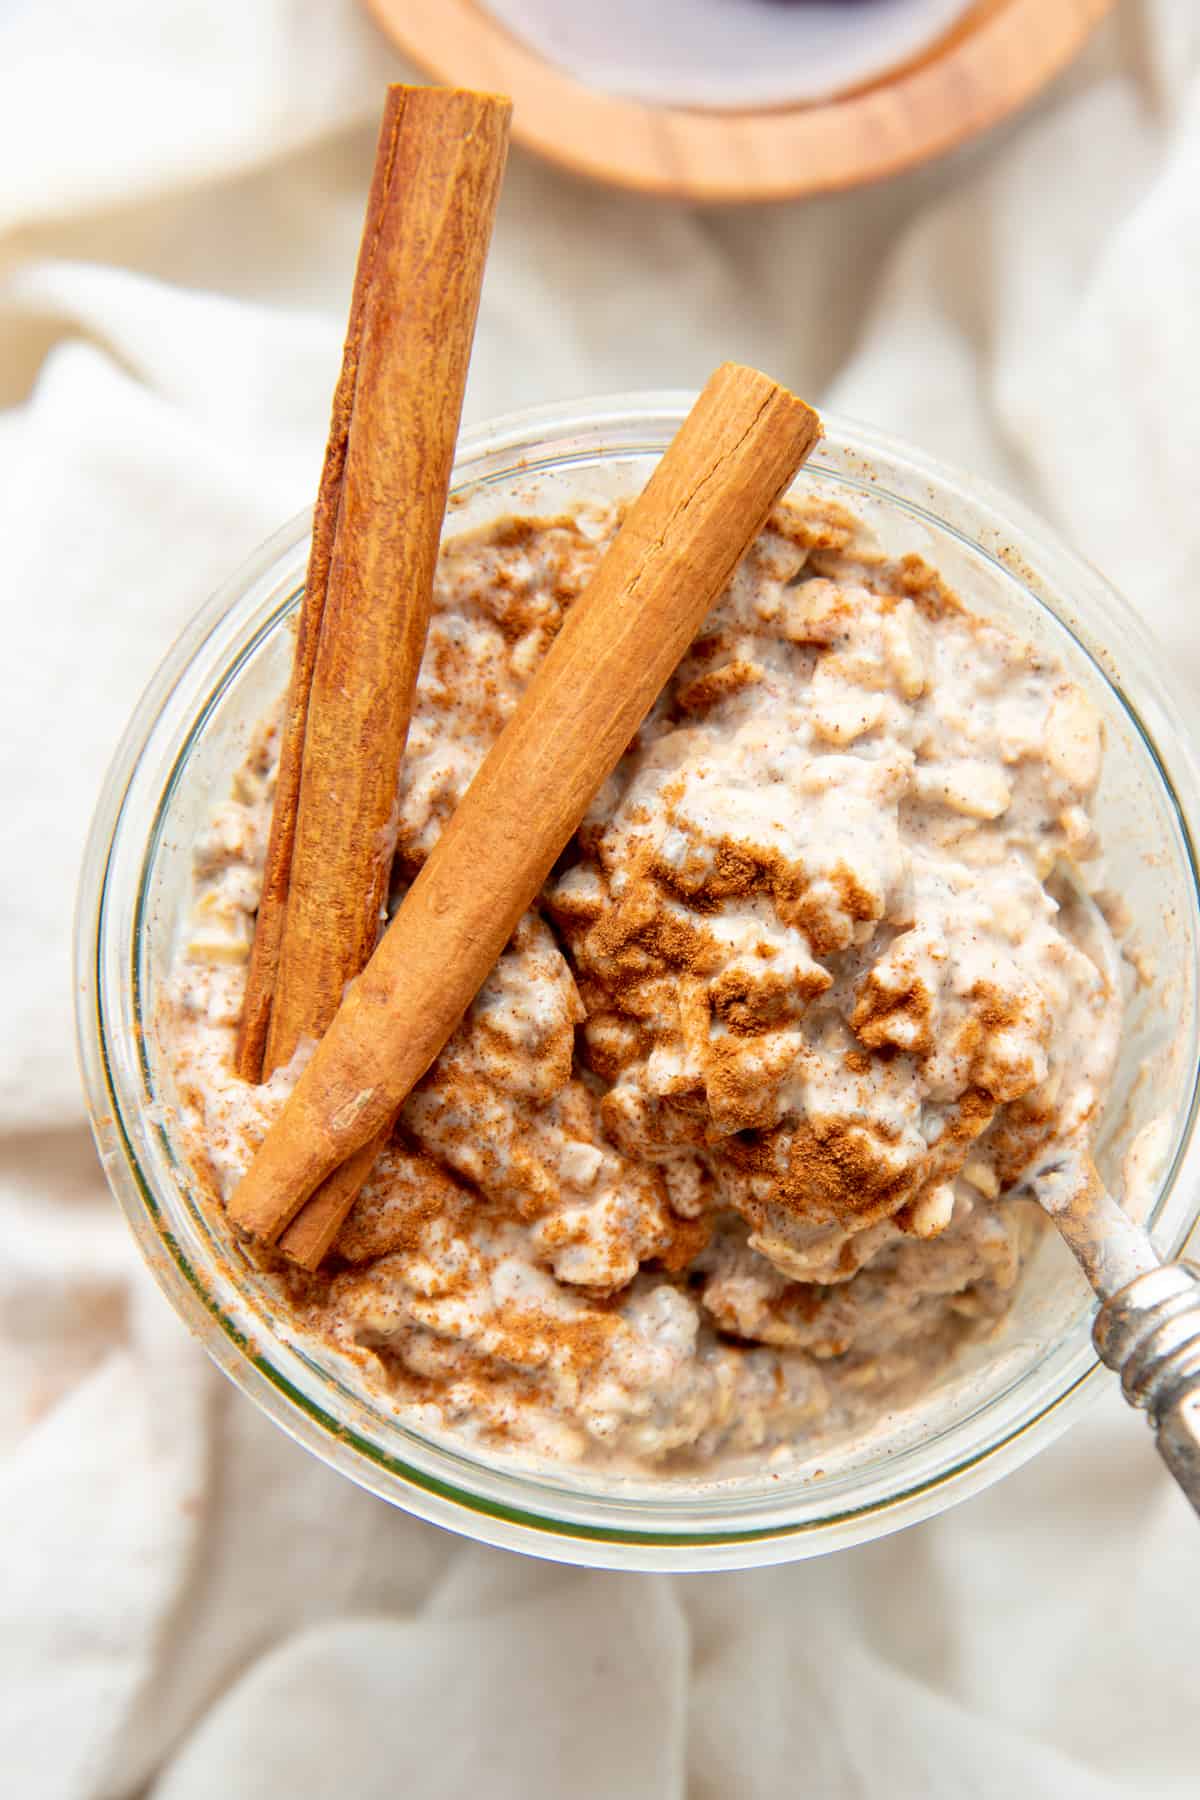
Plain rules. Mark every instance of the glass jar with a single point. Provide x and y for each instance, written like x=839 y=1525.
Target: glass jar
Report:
x=1004 y=1397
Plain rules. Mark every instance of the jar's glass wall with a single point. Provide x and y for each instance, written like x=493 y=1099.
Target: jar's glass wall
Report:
x=179 y=760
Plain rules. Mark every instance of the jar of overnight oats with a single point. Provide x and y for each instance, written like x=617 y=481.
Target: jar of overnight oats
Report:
x=694 y=1248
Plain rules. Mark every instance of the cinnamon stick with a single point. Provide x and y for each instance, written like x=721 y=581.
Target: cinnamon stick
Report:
x=311 y=1234
x=376 y=530
x=674 y=554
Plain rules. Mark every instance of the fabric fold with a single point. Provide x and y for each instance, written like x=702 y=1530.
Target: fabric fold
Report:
x=189 y=1603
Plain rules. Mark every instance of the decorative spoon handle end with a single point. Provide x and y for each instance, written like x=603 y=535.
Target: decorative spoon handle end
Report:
x=1149 y=1332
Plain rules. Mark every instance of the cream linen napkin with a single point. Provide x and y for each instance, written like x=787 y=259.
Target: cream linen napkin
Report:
x=189 y=1604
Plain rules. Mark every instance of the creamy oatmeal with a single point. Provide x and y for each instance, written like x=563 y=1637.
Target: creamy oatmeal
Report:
x=715 y=1162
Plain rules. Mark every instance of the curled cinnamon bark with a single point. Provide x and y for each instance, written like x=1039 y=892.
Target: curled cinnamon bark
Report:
x=676 y=550
x=376 y=531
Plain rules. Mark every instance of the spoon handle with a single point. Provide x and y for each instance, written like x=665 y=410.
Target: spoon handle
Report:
x=1148 y=1326
x=1149 y=1332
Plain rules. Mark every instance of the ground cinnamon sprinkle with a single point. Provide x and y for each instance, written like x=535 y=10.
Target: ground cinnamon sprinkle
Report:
x=712 y=1164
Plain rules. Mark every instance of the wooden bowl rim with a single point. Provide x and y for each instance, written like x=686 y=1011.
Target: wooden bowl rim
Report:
x=991 y=64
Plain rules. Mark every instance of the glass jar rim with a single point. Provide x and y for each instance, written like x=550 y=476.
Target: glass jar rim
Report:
x=516 y=1508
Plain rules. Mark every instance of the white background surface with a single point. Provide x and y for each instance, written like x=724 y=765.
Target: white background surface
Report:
x=190 y=1605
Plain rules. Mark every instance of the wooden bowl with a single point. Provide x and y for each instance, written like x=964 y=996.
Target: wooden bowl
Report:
x=990 y=63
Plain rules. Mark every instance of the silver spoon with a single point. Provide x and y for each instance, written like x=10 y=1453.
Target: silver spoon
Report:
x=1148 y=1326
